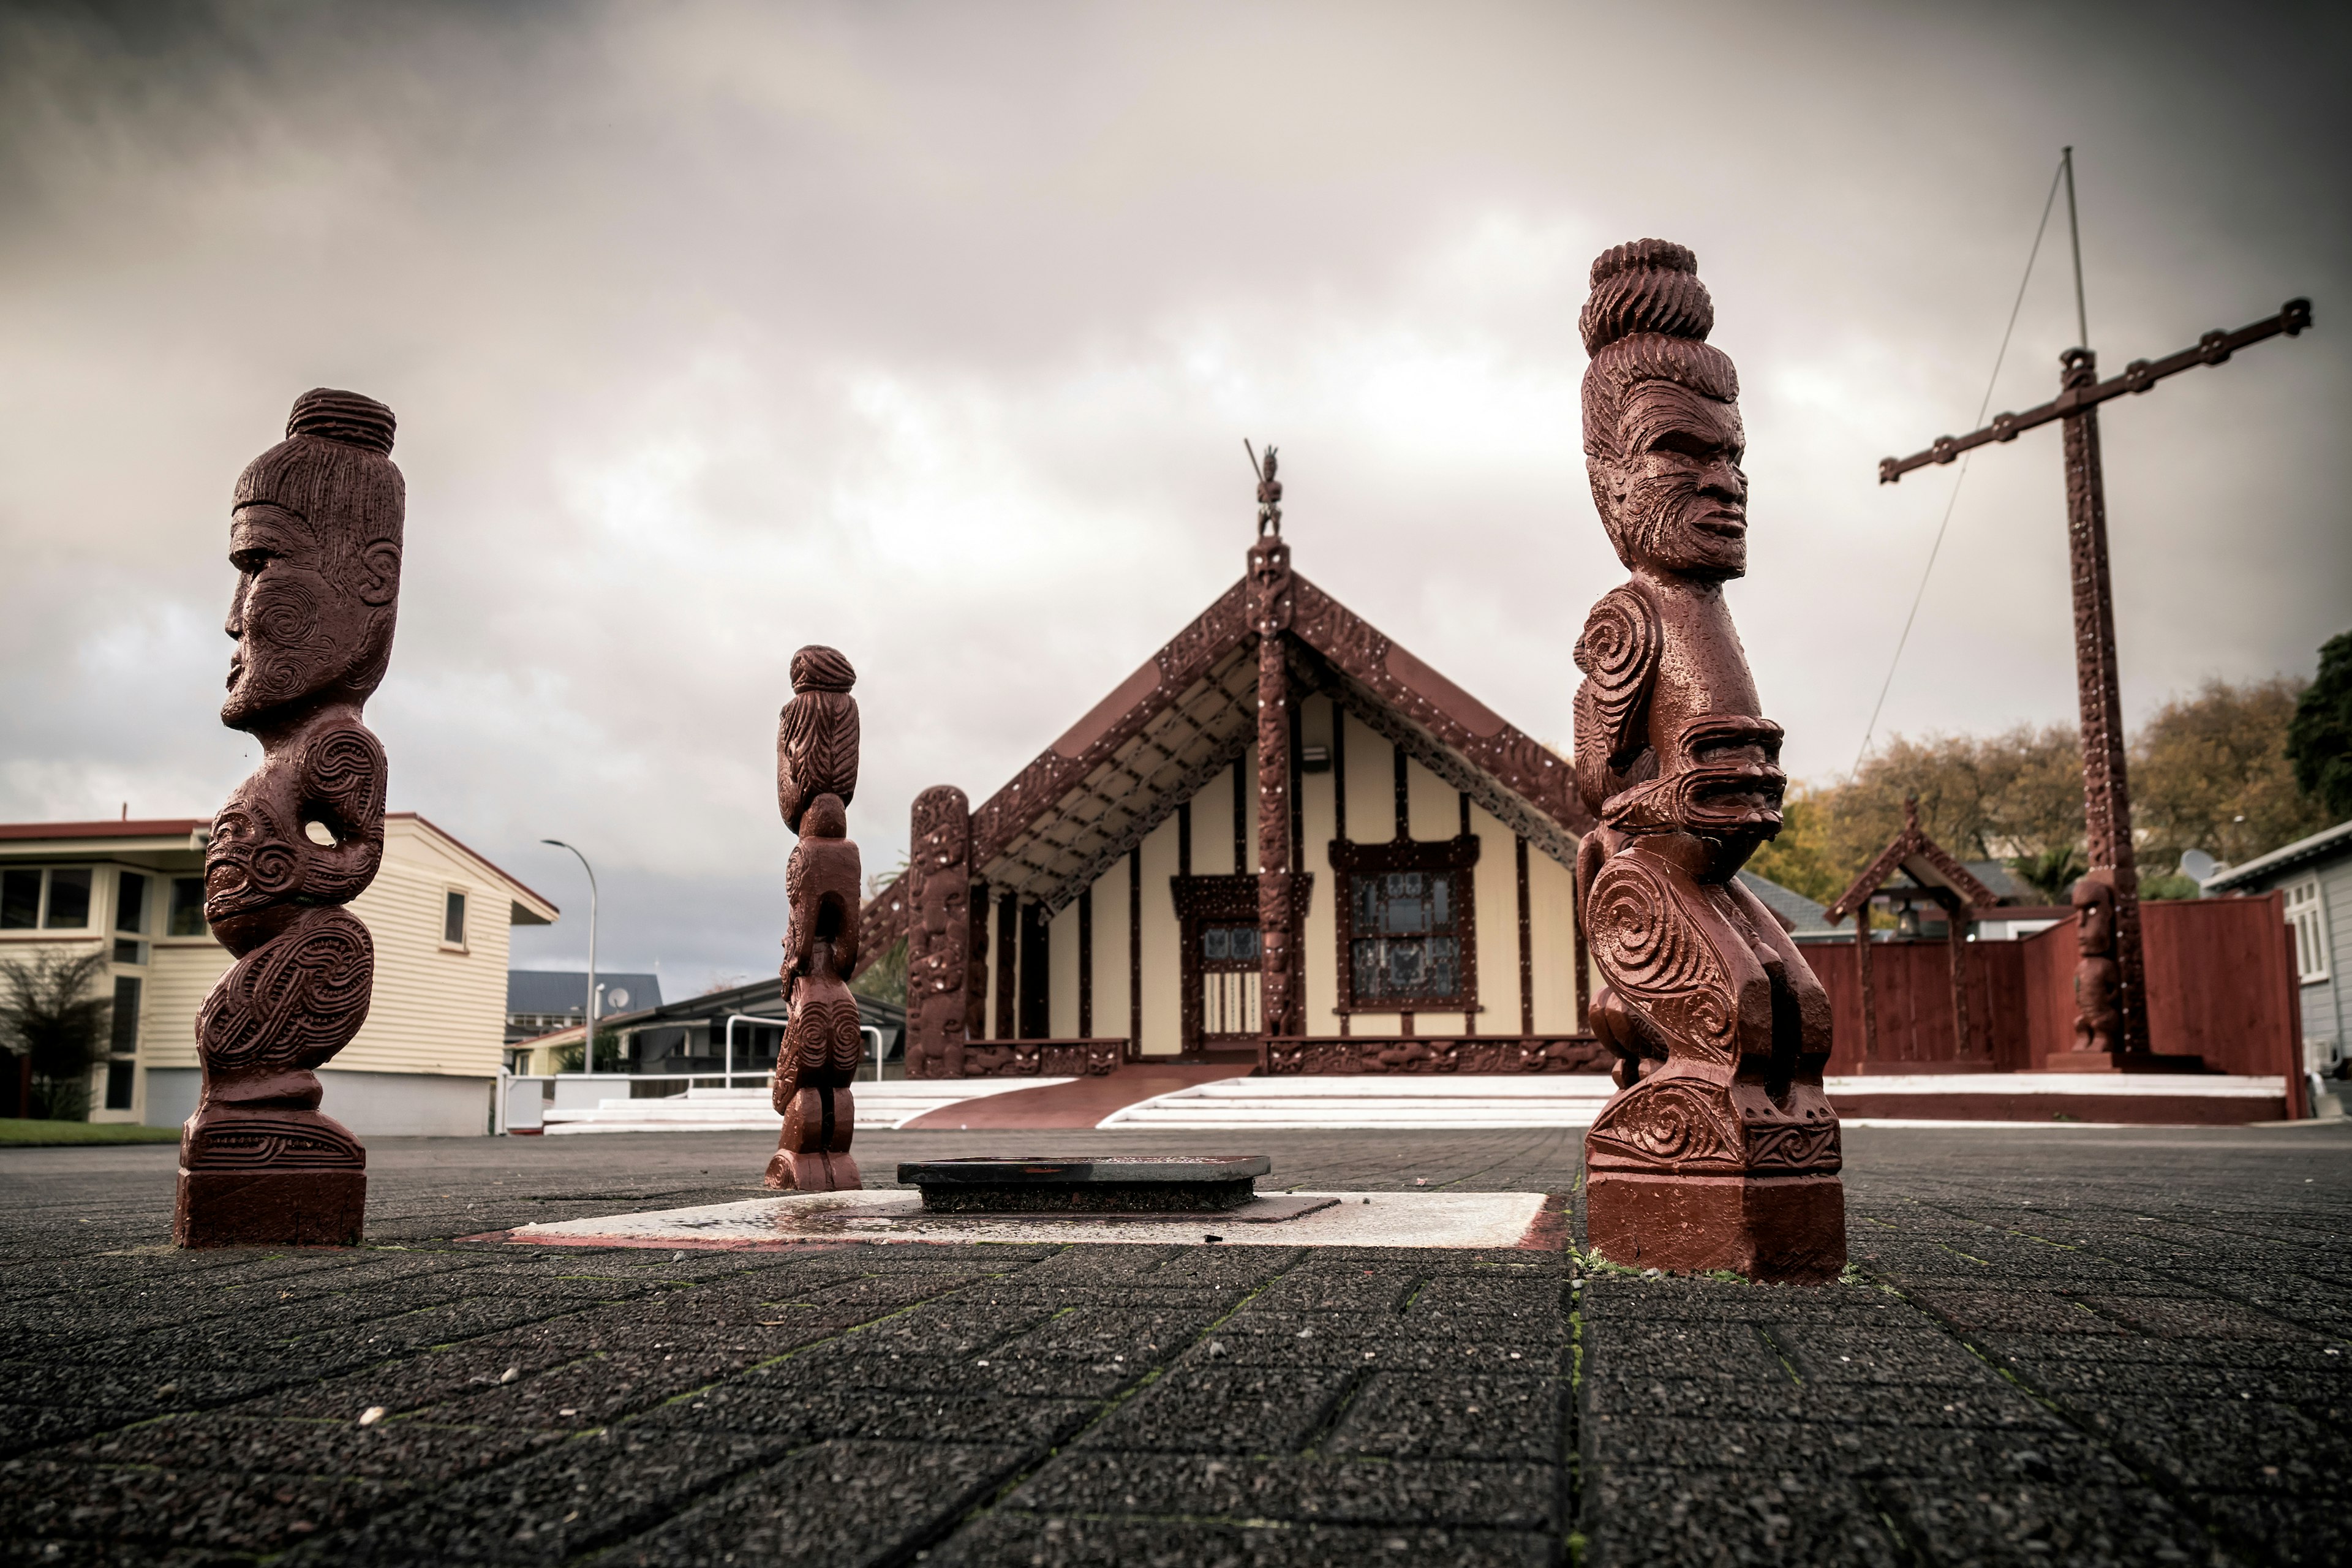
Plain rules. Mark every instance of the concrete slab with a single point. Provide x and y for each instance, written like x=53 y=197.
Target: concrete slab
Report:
x=1344 y=1219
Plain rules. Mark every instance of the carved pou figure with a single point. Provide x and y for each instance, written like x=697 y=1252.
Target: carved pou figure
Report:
x=939 y=876
x=315 y=535
x=816 y=777
x=1719 y=1149
x=2098 y=978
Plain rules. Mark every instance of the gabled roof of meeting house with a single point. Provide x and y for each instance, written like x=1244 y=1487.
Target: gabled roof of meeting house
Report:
x=1191 y=710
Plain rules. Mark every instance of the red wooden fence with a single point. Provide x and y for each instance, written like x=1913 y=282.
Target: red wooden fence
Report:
x=2220 y=984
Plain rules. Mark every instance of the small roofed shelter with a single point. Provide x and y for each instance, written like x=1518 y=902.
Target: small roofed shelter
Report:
x=1933 y=873
x=1283 y=840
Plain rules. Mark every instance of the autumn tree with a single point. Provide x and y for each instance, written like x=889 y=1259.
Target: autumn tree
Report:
x=2211 y=772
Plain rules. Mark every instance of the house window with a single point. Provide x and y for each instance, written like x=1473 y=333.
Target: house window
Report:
x=187 y=906
x=1407 y=926
x=129 y=901
x=1406 y=949
x=69 y=907
x=453 y=920
x=124 y=1037
x=20 y=899
x=2307 y=917
x=122 y=1079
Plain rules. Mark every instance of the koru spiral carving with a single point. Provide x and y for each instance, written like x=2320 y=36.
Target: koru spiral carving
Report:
x=816 y=778
x=1719 y=1149
x=315 y=536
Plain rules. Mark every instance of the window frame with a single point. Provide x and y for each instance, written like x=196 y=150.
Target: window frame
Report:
x=455 y=900
x=1458 y=854
x=2306 y=921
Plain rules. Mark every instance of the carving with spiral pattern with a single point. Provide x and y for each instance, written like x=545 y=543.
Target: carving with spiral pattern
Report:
x=315 y=534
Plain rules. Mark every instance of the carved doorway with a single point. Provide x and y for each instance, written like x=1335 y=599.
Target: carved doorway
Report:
x=1222 y=954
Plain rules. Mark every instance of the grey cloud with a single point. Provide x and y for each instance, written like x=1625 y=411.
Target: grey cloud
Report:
x=930 y=331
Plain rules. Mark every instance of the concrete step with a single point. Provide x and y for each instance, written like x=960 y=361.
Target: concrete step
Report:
x=878 y=1106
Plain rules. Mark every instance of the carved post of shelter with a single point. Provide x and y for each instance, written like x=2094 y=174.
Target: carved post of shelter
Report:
x=816 y=778
x=315 y=533
x=1862 y=971
x=939 y=963
x=1280 y=983
x=2107 y=794
x=1719 y=1149
x=1956 y=932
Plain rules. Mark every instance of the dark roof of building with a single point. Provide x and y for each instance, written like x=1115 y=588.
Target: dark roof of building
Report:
x=2328 y=844
x=1798 y=914
x=541 y=993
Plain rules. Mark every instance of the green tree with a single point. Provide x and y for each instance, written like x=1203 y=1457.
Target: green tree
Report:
x=1800 y=856
x=884 y=979
x=50 y=1010
x=2319 y=737
x=2211 y=772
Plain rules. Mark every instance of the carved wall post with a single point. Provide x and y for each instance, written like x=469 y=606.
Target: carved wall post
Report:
x=816 y=778
x=1280 y=987
x=315 y=534
x=1719 y=1149
x=938 y=961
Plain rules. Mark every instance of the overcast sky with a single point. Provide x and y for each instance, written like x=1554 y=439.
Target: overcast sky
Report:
x=931 y=332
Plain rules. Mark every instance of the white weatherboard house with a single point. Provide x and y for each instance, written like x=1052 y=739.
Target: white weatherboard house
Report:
x=426 y=1061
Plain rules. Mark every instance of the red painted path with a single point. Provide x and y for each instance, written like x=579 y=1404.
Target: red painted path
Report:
x=1081 y=1102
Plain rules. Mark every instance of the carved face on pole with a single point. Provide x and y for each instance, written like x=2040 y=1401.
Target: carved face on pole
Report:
x=1675 y=500
x=1663 y=438
x=315 y=535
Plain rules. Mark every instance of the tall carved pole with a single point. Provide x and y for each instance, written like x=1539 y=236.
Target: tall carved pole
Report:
x=1280 y=1003
x=1719 y=1149
x=315 y=535
x=939 y=965
x=816 y=778
x=2107 y=795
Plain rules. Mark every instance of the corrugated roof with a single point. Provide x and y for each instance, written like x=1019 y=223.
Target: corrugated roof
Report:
x=542 y=992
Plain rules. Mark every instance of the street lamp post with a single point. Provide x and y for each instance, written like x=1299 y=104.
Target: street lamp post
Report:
x=588 y=1018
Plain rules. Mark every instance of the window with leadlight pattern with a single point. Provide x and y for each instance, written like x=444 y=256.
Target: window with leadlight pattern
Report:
x=1406 y=938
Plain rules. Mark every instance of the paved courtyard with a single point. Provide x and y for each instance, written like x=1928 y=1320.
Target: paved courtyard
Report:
x=2064 y=1346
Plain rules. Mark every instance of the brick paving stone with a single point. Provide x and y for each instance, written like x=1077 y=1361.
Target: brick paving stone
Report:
x=2129 y=1347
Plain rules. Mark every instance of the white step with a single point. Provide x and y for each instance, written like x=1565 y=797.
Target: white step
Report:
x=893 y=1103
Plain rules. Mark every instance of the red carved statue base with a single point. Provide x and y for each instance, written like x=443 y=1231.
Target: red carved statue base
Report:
x=1719 y=1149
x=1783 y=1230
x=270 y=1208
x=816 y=775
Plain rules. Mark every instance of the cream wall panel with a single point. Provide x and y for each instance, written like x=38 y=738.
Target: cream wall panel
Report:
x=1498 y=894
x=1552 y=912
x=996 y=955
x=1212 y=826
x=1110 y=953
x=1162 y=1017
x=1062 y=974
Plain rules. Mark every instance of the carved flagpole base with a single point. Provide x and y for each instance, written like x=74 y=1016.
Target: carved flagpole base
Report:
x=1779 y=1230
x=269 y=1208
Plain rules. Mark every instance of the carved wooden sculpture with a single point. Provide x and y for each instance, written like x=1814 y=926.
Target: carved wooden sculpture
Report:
x=1281 y=1000
x=816 y=778
x=2098 y=977
x=939 y=933
x=315 y=535
x=1719 y=1149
